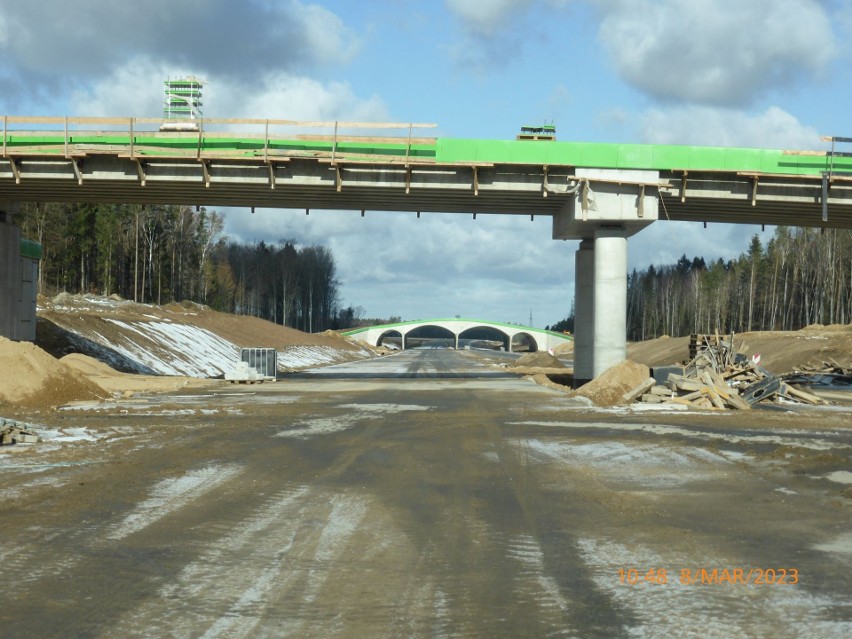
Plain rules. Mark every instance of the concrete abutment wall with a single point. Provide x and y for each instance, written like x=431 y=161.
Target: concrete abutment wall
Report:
x=18 y=281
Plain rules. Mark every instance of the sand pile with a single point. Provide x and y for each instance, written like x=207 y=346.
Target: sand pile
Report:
x=115 y=382
x=538 y=360
x=608 y=388
x=35 y=379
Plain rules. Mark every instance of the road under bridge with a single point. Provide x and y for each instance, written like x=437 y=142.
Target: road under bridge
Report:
x=600 y=194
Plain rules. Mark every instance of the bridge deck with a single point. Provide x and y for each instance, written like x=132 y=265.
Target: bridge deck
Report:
x=275 y=163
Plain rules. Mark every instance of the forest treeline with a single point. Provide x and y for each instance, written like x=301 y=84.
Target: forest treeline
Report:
x=160 y=254
x=801 y=276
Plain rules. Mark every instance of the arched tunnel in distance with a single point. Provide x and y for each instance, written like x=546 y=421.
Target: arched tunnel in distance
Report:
x=485 y=337
x=524 y=343
x=390 y=339
x=430 y=335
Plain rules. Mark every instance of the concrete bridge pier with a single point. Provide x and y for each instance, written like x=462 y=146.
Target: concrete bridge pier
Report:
x=584 y=313
x=610 y=293
x=609 y=206
x=600 y=309
x=10 y=273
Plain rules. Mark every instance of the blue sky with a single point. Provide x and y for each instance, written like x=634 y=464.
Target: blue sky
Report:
x=761 y=73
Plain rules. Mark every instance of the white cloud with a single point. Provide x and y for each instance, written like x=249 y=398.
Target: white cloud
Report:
x=287 y=96
x=327 y=37
x=55 y=38
x=487 y=17
x=718 y=52
x=773 y=128
x=135 y=89
x=494 y=33
x=393 y=263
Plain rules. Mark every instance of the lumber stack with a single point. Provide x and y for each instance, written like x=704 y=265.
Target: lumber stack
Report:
x=826 y=367
x=719 y=377
x=12 y=432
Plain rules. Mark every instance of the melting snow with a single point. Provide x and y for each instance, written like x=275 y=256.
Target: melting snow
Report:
x=191 y=350
x=171 y=495
x=307 y=356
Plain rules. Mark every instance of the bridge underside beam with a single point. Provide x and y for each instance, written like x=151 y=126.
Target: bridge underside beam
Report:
x=753 y=198
x=518 y=189
x=296 y=183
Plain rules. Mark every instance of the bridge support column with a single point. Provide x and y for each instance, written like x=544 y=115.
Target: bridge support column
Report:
x=584 y=313
x=610 y=298
x=609 y=205
x=10 y=272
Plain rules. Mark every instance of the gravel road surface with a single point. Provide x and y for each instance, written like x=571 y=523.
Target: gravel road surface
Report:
x=425 y=494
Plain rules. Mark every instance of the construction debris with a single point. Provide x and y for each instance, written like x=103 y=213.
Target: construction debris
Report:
x=13 y=432
x=829 y=367
x=827 y=374
x=719 y=376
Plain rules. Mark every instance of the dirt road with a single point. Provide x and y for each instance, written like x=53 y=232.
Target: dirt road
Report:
x=424 y=495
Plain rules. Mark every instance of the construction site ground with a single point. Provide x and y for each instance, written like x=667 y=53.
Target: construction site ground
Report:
x=427 y=493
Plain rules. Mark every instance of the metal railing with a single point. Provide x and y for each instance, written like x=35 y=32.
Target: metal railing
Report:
x=211 y=137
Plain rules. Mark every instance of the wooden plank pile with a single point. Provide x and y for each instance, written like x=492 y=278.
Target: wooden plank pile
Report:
x=719 y=377
x=12 y=432
x=827 y=367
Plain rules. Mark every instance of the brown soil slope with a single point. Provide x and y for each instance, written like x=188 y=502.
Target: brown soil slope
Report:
x=780 y=351
x=79 y=313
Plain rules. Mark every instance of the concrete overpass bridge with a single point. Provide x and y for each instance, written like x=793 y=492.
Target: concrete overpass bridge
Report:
x=457 y=330
x=600 y=194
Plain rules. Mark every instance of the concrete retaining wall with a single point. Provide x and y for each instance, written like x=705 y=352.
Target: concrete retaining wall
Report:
x=18 y=285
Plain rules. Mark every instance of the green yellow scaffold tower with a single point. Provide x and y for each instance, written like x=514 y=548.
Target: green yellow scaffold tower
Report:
x=182 y=98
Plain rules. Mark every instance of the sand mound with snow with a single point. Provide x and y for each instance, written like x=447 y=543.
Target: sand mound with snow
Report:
x=539 y=359
x=115 y=382
x=35 y=379
x=608 y=388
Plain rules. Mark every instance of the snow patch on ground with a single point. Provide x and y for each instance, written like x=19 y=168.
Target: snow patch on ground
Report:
x=841 y=543
x=642 y=464
x=794 y=438
x=294 y=357
x=319 y=426
x=176 y=349
x=381 y=409
x=527 y=551
x=65 y=435
x=170 y=495
x=840 y=476
x=675 y=609
x=359 y=412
